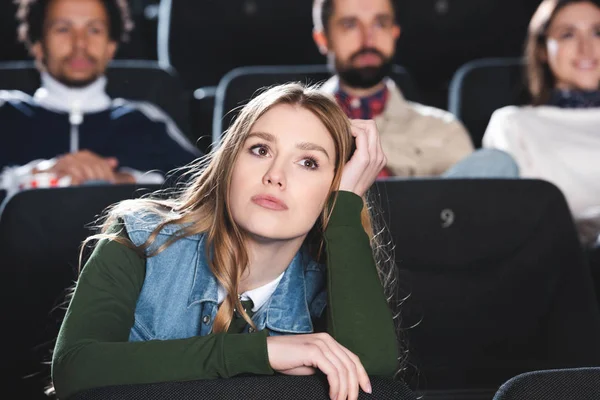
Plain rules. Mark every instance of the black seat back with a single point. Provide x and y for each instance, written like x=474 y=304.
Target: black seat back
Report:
x=193 y=34
x=576 y=383
x=40 y=235
x=248 y=387
x=497 y=279
x=481 y=87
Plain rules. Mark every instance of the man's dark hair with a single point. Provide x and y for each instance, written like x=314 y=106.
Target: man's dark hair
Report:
x=323 y=10
x=32 y=13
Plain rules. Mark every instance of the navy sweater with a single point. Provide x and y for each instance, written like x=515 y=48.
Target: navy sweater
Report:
x=138 y=134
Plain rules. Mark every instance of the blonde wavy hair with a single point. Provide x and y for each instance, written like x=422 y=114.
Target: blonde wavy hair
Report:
x=202 y=205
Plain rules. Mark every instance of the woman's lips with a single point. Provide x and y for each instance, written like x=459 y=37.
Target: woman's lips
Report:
x=586 y=65
x=269 y=202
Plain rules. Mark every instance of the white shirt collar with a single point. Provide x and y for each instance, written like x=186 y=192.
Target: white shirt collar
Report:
x=58 y=97
x=259 y=296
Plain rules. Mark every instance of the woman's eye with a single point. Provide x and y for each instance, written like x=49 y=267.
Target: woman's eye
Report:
x=566 y=35
x=309 y=163
x=259 y=151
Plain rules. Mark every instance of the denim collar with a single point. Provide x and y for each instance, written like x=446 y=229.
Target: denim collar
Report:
x=289 y=298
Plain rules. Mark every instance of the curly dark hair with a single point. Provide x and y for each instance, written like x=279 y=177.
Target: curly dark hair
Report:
x=31 y=15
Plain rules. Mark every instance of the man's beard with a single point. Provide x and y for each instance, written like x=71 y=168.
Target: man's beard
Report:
x=364 y=77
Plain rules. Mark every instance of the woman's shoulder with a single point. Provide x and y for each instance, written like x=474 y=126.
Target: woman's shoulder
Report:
x=510 y=118
x=512 y=112
x=542 y=114
x=145 y=220
x=141 y=223
x=502 y=125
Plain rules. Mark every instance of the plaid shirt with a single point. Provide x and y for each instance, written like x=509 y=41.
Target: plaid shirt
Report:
x=364 y=108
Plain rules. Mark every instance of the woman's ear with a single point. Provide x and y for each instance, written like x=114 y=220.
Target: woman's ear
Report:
x=542 y=54
x=547 y=48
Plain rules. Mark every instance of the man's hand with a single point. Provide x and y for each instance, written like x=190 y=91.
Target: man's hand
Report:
x=124 y=178
x=85 y=166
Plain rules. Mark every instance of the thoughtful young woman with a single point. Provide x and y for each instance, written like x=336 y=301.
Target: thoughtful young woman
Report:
x=557 y=137
x=267 y=262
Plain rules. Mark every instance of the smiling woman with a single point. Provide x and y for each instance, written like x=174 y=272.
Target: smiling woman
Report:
x=272 y=238
x=556 y=139
x=563 y=48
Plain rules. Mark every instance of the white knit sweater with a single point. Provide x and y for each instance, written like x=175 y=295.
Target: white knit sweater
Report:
x=558 y=145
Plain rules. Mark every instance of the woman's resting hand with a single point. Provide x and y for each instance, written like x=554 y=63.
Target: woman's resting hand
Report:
x=305 y=354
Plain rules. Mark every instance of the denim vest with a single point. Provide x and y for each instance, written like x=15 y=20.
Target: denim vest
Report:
x=179 y=295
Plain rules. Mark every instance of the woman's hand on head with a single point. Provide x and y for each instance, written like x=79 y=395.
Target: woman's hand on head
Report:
x=305 y=354
x=367 y=161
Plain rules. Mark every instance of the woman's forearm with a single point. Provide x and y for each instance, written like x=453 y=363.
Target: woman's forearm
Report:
x=358 y=315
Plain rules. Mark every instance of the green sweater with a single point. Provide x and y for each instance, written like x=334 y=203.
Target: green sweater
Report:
x=93 y=350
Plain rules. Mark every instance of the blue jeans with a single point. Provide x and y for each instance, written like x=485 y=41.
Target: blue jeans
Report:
x=484 y=163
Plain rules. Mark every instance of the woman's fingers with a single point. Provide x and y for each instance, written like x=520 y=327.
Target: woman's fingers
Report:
x=362 y=144
x=304 y=354
x=349 y=366
x=374 y=149
x=327 y=366
x=363 y=376
x=370 y=129
x=346 y=376
x=355 y=365
x=366 y=162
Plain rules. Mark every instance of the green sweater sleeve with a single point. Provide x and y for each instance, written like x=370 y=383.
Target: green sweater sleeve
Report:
x=358 y=316
x=92 y=348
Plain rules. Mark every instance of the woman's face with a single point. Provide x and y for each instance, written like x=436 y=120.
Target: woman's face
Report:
x=283 y=174
x=573 y=47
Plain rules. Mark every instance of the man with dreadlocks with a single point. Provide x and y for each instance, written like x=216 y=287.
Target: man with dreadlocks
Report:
x=71 y=129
